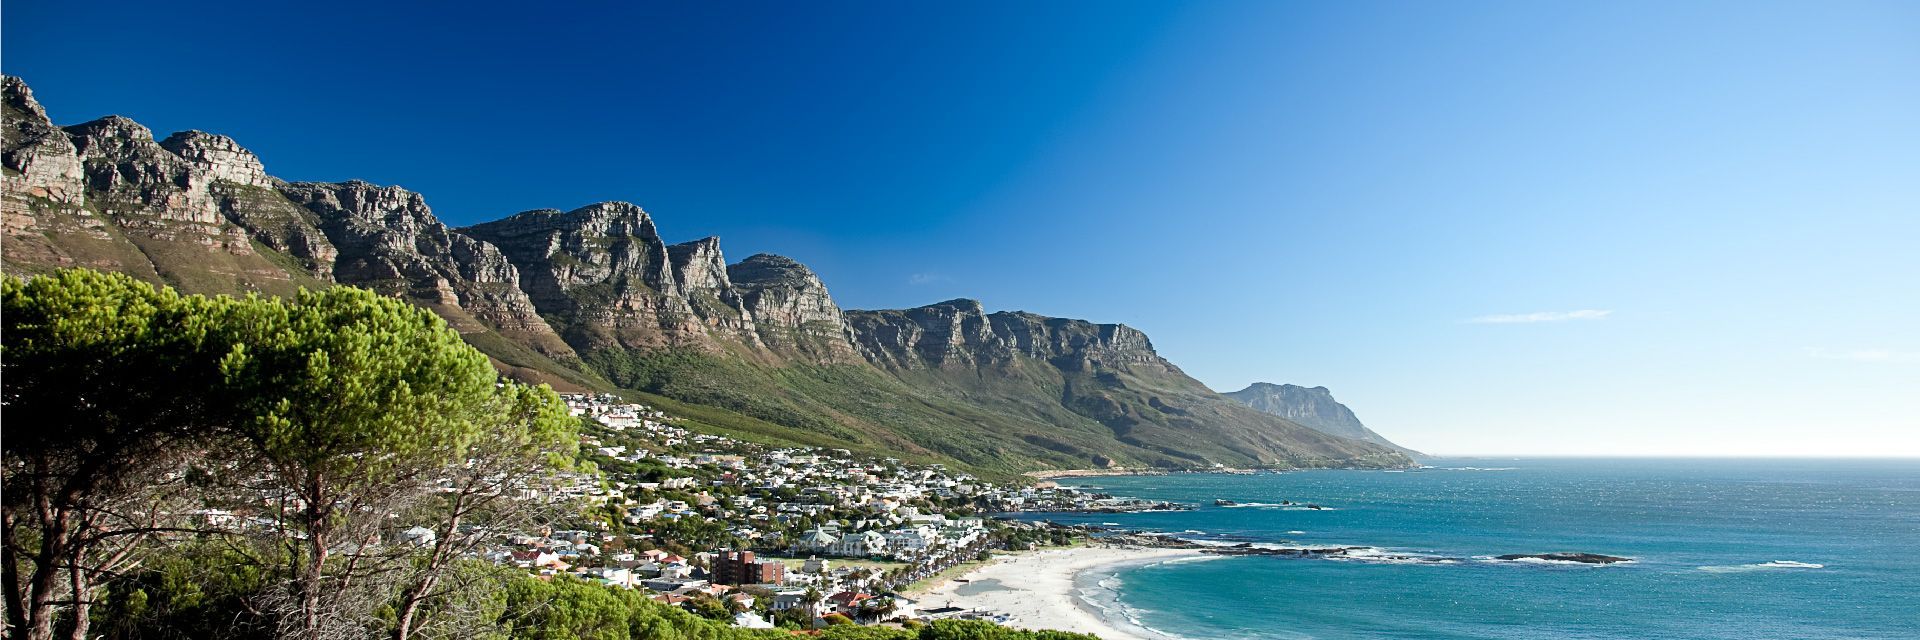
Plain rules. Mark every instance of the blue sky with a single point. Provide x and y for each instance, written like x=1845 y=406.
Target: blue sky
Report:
x=1500 y=227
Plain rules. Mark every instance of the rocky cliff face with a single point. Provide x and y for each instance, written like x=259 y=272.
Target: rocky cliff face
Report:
x=791 y=309
x=40 y=159
x=135 y=206
x=1099 y=382
x=700 y=270
x=601 y=271
x=605 y=276
x=132 y=175
x=959 y=333
x=593 y=295
x=199 y=212
x=386 y=239
x=43 y=195
x=1310 y=406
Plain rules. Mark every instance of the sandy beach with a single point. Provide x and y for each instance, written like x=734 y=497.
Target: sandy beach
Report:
x=1036 y=590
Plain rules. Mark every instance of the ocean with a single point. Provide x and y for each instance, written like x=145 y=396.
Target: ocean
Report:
x=1734 y=549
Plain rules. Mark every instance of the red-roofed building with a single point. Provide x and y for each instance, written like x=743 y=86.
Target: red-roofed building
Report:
x=848 y=602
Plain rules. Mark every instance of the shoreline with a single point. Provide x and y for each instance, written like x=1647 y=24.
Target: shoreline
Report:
x=1042 y=589
x=1053 y=474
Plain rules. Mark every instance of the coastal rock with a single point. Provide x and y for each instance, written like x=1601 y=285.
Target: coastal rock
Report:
x=1582 y=558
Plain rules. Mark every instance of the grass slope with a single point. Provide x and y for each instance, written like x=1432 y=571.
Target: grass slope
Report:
x=1021 y=416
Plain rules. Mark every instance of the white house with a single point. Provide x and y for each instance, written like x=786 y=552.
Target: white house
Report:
x=419 y=536
x=861 y=544
x=817 y=541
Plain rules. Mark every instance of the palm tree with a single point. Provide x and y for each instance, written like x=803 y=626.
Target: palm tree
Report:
x=812 y=599
x=880 y=608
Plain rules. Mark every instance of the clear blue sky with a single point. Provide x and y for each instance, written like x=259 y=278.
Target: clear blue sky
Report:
x=1511 y=227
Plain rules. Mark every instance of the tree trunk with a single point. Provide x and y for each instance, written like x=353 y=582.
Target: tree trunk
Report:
x=416 y=595
x=10 y=567
x=45 y=580
x=310 y=585
x=317 y=514
x=82 y=606
x=410 y=605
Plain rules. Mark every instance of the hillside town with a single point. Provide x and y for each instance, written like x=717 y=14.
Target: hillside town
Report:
x=762 y=535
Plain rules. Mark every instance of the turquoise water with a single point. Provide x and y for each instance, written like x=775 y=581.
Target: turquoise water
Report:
x=1722 y=549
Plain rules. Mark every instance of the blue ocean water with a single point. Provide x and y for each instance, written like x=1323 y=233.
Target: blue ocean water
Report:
x=1736 y=549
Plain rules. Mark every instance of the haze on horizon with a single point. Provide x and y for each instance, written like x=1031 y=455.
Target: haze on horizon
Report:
x=1620 y=229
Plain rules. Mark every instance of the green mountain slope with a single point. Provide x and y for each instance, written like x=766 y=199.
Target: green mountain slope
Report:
x=593 y=299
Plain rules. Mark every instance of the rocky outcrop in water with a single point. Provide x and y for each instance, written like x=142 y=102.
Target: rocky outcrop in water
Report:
x=1579 y=558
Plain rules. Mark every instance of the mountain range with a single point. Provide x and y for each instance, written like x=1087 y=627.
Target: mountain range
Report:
x=1312 y=407
x=592 y=299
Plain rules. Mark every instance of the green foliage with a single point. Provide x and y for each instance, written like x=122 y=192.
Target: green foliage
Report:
x=709 y=607
x=352 y=404
x=200 y=590
x=332 y=376
x=102 y=359
x=345 y=400
x=107 y=407
x=866 y=633
x=979 y=630
x=566 y=608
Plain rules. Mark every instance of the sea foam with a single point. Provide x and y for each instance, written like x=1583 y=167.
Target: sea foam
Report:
x=1761 y=566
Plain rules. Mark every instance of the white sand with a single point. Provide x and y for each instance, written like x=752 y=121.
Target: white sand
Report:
x=1037 y=589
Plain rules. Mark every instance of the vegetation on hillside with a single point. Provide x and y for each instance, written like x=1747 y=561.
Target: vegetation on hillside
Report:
x=182 y=466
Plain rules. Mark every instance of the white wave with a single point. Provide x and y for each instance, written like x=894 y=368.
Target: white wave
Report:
x=1376 y=555
x=1110 y=524
x=1103 y=601
x=1388 y=559
x=1296 y=533
x=1761 y=566
x=1269 y=505
x=1187 y=560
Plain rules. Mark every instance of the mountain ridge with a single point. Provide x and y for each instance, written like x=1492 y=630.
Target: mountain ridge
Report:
x=593 y=299
x=1312 y=407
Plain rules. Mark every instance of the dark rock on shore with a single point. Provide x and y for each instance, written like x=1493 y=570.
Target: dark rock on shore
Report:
x=1247 y=549
x=1583 y=558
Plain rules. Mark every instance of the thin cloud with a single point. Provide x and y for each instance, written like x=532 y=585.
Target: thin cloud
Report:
x=1543 y=316
x=926 y=278
x=1862 y=355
